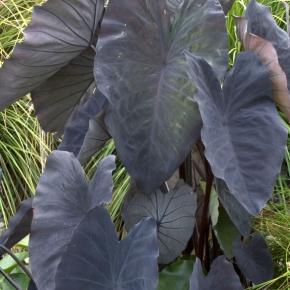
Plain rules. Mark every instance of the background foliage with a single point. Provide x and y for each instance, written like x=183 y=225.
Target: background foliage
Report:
x=24 y=147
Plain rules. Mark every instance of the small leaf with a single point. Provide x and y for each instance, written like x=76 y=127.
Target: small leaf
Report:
x=63 y=198
x=238 y=215
x=78 y=124
x=225 y=233
x=55 y=61
x=7 y=263
x=19 y=225
x=243 y=135
x=222 y=276
x=143 y=50
x=95 y=138
x=174 y=213
x=96 y=260
x=254 y=259
x=176 y=275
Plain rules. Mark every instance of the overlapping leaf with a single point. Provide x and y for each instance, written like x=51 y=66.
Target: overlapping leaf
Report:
x=96 y=260
x=176 y=275
x=78 y=125
x=96 y=136
x=19 y=225
x=243 y=135
x=152 y=115
x=238 y=215
x=222 y=276
x=55 y=61
x=174 y=213
x=63 y=198
x=254 y=259
x=261 y=22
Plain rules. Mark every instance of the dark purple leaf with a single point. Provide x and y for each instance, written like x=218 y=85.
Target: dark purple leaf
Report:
x=174 y=213
x=19 y=226
x=96 y=260
x=243 y=135
x=63 y=198
x=254 y=259
x=222 y=276
x=78 y=124
x=55 y=61
x=141 y=68
x=95 y=138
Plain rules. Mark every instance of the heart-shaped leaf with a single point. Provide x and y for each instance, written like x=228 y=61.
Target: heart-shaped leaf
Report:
x=78 y=124
x=174 y=213
x=96 y=260
x=55 y=61
x=243 y=135
x=222 y=276
x=95 y=138
x=63 y=198
x=19 y=225
x=238 y=215
x=143 y=50
x=261 y=22
x=176 y=275
x=254 y=259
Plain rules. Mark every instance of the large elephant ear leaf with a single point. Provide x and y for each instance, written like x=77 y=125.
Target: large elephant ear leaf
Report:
x=63 y=198
x=138 y=43
x=222 y=276
x=55 y=61
x=174 y=213
x=243 y=135
x=78 y=124
x=254 y=259
x=19 y=225
x=96 y=260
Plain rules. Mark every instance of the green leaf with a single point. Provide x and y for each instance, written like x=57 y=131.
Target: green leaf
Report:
x=176 y=275
x=8 y=263
x=225 y=232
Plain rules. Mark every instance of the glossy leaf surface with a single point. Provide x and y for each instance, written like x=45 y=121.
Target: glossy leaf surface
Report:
x=96 y=260
x=243 y=135
x=222 y=276
x=152 y=115
x=55 y=61
x=254 y=259
x=173 y=212
x=63 y=198
x=19 y=225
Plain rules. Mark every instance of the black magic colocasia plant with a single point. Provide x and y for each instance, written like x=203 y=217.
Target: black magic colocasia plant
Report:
x=203 y=145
